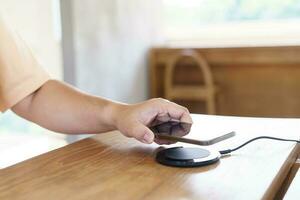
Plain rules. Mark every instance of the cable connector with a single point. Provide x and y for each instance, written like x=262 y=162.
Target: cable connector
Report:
x=224 y=152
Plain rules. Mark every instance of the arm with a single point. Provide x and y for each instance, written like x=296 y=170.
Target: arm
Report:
x=61 y=108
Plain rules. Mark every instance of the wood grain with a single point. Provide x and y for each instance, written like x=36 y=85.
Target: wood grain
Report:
x=110 y=166
x=294 y=189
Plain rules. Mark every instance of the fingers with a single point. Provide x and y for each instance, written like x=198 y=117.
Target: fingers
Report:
x=141 y=133
x=162 y=142
x=181 y=112
x=163 y=117
x=180 y=130
x=172 y=110
x=170 y=129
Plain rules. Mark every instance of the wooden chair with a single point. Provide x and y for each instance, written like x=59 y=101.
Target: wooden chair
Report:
x=204 y=92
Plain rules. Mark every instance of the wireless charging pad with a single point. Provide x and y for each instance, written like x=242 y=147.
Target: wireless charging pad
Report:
x=187 y=157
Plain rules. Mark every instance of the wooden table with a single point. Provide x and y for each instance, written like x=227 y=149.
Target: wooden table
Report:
x=294 y=189
x=110 y=166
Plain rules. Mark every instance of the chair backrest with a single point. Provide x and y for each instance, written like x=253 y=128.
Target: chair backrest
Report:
x=207 y=87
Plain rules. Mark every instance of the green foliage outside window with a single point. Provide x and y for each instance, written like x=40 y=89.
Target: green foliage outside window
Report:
x=193 y=13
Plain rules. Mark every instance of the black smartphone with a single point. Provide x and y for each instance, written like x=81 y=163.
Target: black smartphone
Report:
x=174 y=131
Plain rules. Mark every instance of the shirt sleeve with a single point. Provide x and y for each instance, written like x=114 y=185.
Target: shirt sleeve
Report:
x=20 y=73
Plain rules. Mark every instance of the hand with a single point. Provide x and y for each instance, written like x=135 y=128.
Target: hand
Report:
x=134 y=120
x=172 y=128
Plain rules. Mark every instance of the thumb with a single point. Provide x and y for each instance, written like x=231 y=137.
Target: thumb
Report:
x=142 y=133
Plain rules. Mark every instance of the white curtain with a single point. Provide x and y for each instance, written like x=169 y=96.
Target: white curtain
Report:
x=112 y=38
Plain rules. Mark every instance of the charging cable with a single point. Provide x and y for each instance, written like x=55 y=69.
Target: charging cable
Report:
x=227 y=151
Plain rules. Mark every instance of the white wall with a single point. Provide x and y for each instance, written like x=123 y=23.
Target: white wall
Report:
x=38 y=24
x=112 y=38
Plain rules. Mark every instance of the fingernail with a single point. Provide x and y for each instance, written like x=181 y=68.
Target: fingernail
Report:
x=147 y=138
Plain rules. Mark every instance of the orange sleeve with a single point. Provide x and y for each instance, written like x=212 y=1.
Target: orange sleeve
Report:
x=20 y=73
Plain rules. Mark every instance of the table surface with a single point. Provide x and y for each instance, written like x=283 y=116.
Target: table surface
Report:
x=110 y=166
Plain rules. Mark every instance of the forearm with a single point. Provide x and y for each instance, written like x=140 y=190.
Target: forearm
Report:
x=61 y=108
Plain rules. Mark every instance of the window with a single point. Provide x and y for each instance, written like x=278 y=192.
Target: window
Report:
x=232 y=22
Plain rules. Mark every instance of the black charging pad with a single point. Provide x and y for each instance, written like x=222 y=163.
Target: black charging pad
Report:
x=187 y=157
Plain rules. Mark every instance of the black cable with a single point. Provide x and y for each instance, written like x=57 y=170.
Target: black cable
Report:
x=227 y=151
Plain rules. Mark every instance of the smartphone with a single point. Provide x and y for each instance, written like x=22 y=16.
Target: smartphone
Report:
x=174 y=131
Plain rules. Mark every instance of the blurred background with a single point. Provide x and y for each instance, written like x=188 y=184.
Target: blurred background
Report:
x=230 y=57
